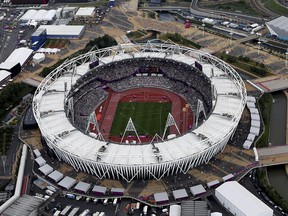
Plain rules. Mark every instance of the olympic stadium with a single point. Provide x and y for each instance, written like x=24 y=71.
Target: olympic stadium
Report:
x=76 y=108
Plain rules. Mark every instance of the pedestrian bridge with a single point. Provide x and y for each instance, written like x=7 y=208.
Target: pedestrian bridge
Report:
x=271 y=83
x=270 y=156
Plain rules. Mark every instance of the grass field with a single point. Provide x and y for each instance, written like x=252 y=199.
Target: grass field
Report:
x=148 y=117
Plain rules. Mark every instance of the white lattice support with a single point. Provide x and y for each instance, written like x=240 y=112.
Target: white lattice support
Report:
x=170 y=122
x=200 y=108
x=100 y=136
x=130 y=127
x=92 y=120
x=92 y=57
x=71 y=109
x=157 y=138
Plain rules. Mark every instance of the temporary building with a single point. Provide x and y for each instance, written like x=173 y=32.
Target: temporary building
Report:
x=117 y=191
x=213 y=183
x=63 y=31
x=4 y=76
x=40 y=161
x=250 y=104
x=82 y=187
x=99 y=190
x=67 y=182
x=239 y=201
x=46 y=169
x=85 y=12
x=197 y=190
x=255 y=123
x=251 y=99
x=255 y=130
x=254 y=111
x=247 y=144
x=175 y=210
x=161 y=197
x=38 y=57
x=37 y=153
x=179 y=194
x=255 y=117
x=228 y=177
x=20 y=55
x=279 y=27
x=56 y=176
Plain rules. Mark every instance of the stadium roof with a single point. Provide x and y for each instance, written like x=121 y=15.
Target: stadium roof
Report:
x=85 y=11
x=63 y=30
x=39 y=15
x=67 y=182
x=82 y=186
x=56 y=176
x=161 y=197
x=242 y=199
x=4 y=74
x=46 y=169
x=20 y=55
x=278 y=26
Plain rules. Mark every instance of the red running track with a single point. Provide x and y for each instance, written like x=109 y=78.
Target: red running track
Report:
x=105 y=112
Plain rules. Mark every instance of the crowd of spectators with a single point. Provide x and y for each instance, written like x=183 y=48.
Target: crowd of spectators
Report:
x=189 y=82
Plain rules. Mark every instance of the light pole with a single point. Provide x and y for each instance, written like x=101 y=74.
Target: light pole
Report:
x=286 y=54
x=203 y=25
x=259 y=43
x=231 y=36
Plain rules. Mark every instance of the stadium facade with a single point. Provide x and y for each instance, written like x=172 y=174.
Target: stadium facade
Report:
x=53 y=107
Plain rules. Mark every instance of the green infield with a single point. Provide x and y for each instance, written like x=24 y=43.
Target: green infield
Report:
x=148 y=117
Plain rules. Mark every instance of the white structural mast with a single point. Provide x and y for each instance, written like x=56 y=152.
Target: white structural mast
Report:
x=200 y=108
x=130 y=127
x=170 y=122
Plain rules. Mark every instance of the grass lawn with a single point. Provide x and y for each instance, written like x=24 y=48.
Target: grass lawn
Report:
x=148 y=118
x=275 y=7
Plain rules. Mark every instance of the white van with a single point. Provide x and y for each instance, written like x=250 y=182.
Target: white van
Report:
x=115 y=201
x=105 y=202
x=49 y=192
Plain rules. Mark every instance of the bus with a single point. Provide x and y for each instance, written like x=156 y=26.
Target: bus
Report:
x=74 y=211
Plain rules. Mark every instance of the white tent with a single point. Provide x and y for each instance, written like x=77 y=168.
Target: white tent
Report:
x=179 y=194
x=247 y=144
x=37 y=153
x=38 y=57
x=56 y=176
x=239 y=201
x=40 y=161
x=46 y=169
x=161 y=197
x=175 y=210
x=67 y=182
x=20 y=55
x=82 y=187
x=228 y=177
x=196 y=190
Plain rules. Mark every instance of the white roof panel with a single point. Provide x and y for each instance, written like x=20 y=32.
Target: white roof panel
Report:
x=56 y=176
x=67 y=182
x=161 y=197
x=179 y=194
x=4 y=75
x=40 y=161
